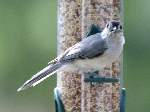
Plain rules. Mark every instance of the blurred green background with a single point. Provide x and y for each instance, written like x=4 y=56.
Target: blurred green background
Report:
x=28 y=41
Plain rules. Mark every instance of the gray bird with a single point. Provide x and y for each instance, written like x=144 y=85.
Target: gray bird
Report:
x=91 y=54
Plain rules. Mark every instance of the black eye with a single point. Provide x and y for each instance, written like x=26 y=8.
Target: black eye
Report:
x=120 y=27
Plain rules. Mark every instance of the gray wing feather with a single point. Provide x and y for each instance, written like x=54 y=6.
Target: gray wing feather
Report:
x=90 y=47
x=40 y=76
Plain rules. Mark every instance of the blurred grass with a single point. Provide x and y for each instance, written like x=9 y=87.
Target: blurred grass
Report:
x=28 y=41
x=136 y=56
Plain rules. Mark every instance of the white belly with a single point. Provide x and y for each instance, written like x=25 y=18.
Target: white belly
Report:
x=94 y=64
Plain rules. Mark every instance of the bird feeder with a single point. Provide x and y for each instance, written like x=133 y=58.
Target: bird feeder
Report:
x=100 y=91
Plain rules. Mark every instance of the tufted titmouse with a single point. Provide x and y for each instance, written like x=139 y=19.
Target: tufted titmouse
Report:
x=89 y=55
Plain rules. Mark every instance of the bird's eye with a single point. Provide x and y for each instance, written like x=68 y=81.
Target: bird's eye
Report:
x=120 y=27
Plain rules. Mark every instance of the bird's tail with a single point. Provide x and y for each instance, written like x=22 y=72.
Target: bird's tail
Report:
x=40 y=76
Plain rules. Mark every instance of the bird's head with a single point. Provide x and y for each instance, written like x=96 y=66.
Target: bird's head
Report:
x=114 y=26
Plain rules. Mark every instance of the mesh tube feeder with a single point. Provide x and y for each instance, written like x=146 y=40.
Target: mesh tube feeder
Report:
x=100 y=91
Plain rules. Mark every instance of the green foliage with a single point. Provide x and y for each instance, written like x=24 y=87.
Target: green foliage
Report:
x=27 y=43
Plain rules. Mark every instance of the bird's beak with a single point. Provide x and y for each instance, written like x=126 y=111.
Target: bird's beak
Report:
x=114 y=28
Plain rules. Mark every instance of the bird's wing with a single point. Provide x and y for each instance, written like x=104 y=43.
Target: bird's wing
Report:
x=92 y=30
x=90 y=47
x=59 y=57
